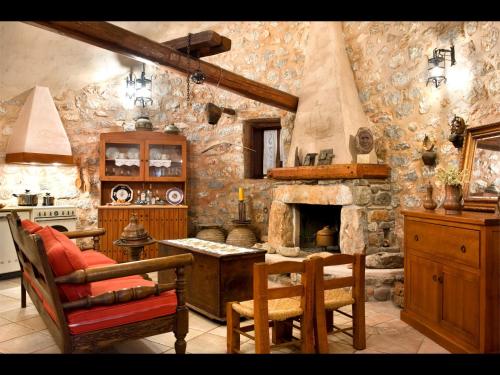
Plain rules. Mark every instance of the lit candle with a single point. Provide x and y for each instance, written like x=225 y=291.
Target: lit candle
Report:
x=241 y=196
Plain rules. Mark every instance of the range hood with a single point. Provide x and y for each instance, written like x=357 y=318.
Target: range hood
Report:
x=38 y=136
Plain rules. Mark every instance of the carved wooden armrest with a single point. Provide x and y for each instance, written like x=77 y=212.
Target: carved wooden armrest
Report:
x=94 y=233
x=125 y=269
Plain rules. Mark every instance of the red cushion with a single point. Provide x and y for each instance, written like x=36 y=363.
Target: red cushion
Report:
x=100 y=317
x=30 y=226
x=64 y=258
x=93 y=258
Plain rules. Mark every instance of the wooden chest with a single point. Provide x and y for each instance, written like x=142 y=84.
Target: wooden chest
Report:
x=220 y=273
x=452 y=279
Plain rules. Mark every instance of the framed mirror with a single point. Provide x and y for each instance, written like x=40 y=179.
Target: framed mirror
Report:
x=481 y=161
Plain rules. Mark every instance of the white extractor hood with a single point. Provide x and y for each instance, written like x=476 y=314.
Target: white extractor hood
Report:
x=38 y=136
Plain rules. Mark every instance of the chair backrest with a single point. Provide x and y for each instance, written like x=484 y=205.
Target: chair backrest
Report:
x=262 y=293
x=38 y=278
x=356 y=281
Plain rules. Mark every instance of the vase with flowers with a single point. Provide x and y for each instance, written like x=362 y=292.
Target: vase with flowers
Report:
x=453 y=179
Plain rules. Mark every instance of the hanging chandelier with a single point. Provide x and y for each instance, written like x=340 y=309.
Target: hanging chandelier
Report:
x=140 y=88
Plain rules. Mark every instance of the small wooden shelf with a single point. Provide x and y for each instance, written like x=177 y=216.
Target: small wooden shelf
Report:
x=331 y=172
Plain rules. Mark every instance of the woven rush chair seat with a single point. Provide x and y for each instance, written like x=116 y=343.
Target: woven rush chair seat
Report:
x=278 y=309
x=335 y=298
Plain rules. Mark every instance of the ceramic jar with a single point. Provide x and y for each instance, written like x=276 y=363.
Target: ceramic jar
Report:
x=324 y=237
x=211 y=233
x=429 y=203
x=453 y=199
x=143 y=123
x=241 y=235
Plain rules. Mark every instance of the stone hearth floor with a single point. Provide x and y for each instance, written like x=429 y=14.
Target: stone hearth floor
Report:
x=23 y=331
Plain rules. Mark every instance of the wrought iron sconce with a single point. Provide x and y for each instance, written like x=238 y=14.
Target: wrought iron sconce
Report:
x=437 y=65
x=140 y=88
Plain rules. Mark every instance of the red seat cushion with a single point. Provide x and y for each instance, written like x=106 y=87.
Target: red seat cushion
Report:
x=100 y=317
x=64 y=257
x=30 y=226
x=93 y=258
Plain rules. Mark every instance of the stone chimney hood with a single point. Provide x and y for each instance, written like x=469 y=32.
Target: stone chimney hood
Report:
x=39 y=136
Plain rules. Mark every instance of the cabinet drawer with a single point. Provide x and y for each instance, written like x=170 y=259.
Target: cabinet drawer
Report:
x=458 y=244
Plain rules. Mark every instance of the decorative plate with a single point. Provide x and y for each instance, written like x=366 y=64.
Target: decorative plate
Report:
x=175 y=196
x=122 y=193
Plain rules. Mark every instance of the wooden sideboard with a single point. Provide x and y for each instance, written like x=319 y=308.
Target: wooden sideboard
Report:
x=161 y=222
x=452 y=279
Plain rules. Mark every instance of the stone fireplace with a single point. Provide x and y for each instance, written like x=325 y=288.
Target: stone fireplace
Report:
x=361 y=208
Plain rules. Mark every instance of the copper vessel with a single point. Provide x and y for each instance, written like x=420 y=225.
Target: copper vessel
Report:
x=134 y=235
x=324 y=237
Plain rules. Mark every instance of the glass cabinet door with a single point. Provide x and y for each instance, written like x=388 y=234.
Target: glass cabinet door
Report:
x=122 y=161
x=164 y=161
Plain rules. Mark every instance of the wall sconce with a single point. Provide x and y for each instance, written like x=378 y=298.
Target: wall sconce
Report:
x=140 y=88
x=437 y=64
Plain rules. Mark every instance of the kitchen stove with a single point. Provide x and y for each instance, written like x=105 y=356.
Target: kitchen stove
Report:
x=61 y=218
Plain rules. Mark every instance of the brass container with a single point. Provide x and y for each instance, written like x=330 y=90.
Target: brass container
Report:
x=241 y=235
x=143 y=123
x=134 y=235
x=211 y=233
x=324 y=237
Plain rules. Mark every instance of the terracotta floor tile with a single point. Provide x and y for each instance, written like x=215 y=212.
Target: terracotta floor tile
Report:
x=168 y=338
x=12 y=331
x=141 y=346
x=26 y=344
x=18 y=314
x=207 y=344
x=36 y=323
x=53 y=349
x=4 y=321
x=430 y=347
x=199 y=322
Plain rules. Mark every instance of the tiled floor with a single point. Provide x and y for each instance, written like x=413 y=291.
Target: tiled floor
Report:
x=23 y=331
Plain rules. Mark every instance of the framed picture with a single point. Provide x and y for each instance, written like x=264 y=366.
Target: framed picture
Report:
x=309 y=159
x=325 y=157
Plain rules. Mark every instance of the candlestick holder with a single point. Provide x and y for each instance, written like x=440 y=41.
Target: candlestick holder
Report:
x=242 y=216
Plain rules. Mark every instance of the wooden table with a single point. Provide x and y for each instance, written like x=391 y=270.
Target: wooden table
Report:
x=220 y=273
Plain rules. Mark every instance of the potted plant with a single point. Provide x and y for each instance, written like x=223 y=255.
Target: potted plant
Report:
x=453 y=179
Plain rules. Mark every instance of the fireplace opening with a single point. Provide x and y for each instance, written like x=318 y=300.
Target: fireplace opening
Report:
x=314 y=218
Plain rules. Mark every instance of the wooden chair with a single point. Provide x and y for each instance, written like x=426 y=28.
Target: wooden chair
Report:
x=331 y=295
x=272 y=305
x=128 y=308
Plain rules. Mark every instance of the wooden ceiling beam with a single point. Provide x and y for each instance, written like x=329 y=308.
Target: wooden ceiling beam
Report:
x=119 y=40
x=205 y=43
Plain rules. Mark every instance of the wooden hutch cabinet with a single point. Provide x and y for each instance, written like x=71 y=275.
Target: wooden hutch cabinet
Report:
x=452 y=279
x=140 y=161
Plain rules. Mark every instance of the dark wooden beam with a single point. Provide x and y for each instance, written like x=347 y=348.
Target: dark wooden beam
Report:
x=205 y=43
x=116 y=39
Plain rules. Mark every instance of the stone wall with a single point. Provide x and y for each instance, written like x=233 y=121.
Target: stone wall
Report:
x=268 y=52
x=389 y=60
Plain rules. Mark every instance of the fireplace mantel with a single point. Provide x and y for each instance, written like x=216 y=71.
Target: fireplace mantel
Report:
x=331 y=172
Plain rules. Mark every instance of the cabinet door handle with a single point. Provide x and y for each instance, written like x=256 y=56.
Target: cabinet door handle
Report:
x=416 y=237
x=463 y=249
x=434 y=278
x=440 y=279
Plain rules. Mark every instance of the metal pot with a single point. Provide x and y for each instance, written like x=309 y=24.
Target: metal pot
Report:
x=26 y=199
x=48 y=200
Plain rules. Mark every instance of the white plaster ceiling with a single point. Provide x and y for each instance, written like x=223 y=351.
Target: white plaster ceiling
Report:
x=33 y=56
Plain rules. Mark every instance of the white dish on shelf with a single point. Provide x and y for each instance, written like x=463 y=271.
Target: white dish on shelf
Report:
x=154 y=154
x=133 y=153
x=112 y=153
x=174 y=196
